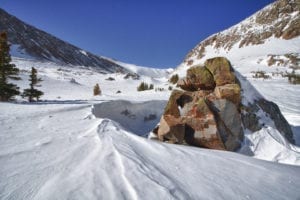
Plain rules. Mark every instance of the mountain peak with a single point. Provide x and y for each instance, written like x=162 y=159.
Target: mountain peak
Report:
x=29 y=41
x=280 y=19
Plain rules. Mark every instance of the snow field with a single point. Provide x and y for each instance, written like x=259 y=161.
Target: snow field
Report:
x=69 y=154
x=72 y=145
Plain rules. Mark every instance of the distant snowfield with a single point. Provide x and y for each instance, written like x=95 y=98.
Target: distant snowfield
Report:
x=73 y=145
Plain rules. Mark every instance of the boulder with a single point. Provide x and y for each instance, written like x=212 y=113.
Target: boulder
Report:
x=201 y=126
x=185 y=84
x=221 y=70
x=172 y=105
x=133 y=76
x=190 y=118
x=171 y=129
x=280 y=122
x=229 y=91
x=206 y=113
x=229 y=122
x=251 y=119
x=197 y=78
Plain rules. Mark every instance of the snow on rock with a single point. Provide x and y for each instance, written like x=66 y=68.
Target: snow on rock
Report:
x=268 y=144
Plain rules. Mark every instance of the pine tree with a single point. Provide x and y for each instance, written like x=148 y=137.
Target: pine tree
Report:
x=143 y=86
x=31 y=92
x=7 y=71
x=97 y=90
x=151 y=87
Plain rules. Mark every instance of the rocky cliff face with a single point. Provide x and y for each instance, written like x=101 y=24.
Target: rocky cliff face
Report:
x=43 y=46
x=280 y=19
x=208 y=111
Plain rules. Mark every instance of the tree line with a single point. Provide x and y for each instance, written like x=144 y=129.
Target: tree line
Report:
x=9 y=71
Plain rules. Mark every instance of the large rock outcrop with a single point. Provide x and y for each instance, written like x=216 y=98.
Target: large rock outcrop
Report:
x=252 y=121
x=208 y=112
x=205 y=112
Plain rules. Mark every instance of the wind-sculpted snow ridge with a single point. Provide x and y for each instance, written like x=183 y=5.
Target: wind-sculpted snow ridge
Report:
x=63 y=152
x=139 y=118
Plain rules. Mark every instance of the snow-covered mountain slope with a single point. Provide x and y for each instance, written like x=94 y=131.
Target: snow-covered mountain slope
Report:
x=72 y=145
x=145 y=71
x=267 y=42
x=77 y=82
x=279 y=19
x=30 y=42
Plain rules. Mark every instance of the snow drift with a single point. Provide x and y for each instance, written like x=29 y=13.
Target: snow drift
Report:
x=63 y=152
x=139 y=118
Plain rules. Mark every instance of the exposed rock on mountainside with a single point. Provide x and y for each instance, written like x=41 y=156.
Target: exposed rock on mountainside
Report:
x=207 y=115
x=251 y=120
x=280 y=20
x=208 y=111
x=32 y=42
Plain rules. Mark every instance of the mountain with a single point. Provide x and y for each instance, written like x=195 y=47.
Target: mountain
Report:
x=74 y=145
x=28 y=41
x=280 y=20
x=265 y=50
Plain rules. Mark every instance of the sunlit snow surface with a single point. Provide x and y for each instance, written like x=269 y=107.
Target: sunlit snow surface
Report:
x=58 y=149
x=53 y=151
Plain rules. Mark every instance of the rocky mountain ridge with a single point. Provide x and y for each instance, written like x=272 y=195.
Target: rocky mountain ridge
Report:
x=29 y=41
x=280 y=19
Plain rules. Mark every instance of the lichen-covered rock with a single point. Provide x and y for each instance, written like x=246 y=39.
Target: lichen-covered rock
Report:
x=213 y=116
x=171 y=129
x=232 y=92
x=197 y=78
x=191 y=118
x=201 y=126
x=172 y=105
x=221 y=70
x=206 y=113
x=201 y=78
x=185 y=84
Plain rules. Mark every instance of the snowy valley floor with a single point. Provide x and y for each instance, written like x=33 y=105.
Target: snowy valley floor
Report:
x=61 y=151
x=76 y=146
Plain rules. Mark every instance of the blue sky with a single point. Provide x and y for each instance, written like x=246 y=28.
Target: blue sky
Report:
x=155 y=33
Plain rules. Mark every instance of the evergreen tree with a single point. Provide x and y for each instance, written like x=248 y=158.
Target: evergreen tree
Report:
x=7 y=71
x=31 y=92
x=143 y=86
x=97 y=90
x=151 y=87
